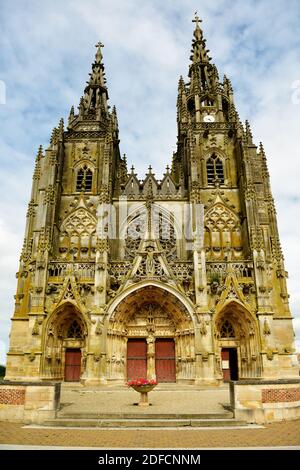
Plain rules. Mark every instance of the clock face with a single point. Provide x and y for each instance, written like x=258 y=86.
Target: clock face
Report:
x=209 y=118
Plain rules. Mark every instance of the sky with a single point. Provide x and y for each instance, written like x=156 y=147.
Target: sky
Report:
x=46 y=53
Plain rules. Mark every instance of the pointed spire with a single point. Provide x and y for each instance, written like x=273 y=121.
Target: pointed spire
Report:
x=94 y=101
x=204 y=75
x=199 y=51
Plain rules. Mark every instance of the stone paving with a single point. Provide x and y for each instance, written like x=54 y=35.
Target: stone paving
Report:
x=165 y=398
x=272 y=435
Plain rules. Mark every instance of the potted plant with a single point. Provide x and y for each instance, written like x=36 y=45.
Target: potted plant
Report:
x=143 y=386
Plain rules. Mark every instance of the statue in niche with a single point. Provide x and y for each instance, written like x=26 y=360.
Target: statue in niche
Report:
x=150 y=264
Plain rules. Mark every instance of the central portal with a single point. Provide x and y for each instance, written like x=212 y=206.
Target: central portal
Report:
x=150 y=335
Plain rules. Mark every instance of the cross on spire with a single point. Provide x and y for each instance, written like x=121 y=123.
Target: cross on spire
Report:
x=99 y=45
x=197 y=20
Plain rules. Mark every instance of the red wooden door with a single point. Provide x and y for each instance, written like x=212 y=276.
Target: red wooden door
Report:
x=165 y=360
x=229 y=364
x=72 y=365
x=225 y=364
x=136 y=359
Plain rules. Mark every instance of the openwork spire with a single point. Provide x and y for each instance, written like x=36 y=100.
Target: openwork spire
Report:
x=94 y=101
x=204 y=75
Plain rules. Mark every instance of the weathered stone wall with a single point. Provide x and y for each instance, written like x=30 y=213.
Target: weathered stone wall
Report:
x=27 y=402
x=265 y=401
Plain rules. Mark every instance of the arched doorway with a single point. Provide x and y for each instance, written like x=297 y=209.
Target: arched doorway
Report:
x=151 y=333
x=65 y=345
x=237 y=346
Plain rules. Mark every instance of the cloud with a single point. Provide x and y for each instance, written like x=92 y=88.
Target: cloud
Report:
x=47 y=49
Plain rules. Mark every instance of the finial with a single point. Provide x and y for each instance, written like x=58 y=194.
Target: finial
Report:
x=167 y=169
x=132 y=170
x=99 y=56
x=196 y=20
x=150 y=169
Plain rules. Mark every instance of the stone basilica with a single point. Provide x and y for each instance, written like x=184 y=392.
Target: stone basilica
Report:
x=181 y=279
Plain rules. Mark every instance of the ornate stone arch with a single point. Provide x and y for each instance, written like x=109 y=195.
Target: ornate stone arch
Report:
x=242 y=330
x=150 y=310
x=66 y=327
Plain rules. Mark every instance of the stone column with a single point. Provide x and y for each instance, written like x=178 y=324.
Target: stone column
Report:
x=151 y=357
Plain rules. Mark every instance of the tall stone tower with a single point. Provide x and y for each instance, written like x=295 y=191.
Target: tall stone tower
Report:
x=181 y=278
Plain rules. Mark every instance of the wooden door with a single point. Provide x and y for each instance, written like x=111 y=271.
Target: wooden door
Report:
x=136 y=359
x=229 y=364
x=72 y=365
x=225 y=364
x=165 y=366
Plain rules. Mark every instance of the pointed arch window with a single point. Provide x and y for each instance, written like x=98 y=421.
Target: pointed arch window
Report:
x=214 y=169
x=227 y=330
x=84 y=179
x=74 y=330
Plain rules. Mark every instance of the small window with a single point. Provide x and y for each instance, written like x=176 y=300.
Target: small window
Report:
x=214 y=169
x=84 y=180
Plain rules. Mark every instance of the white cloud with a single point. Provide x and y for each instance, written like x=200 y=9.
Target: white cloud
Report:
x=47 y=49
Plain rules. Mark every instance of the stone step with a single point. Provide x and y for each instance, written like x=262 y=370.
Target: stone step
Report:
x=143 y=423
x=143 y=415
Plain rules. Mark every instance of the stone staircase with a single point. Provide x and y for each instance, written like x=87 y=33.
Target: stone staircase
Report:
x=171 y=406
x=145 y=420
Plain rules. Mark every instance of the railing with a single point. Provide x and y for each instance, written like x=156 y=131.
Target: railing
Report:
x=81 y=270
x=241 y=270
x=119 y=269
x=183 y=270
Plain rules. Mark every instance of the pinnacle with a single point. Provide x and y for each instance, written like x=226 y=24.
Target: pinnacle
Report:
x=39 y=153
x=248 y=131
x=61 y=125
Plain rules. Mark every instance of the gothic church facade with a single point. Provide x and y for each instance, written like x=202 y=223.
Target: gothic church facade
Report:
x=181 y=279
